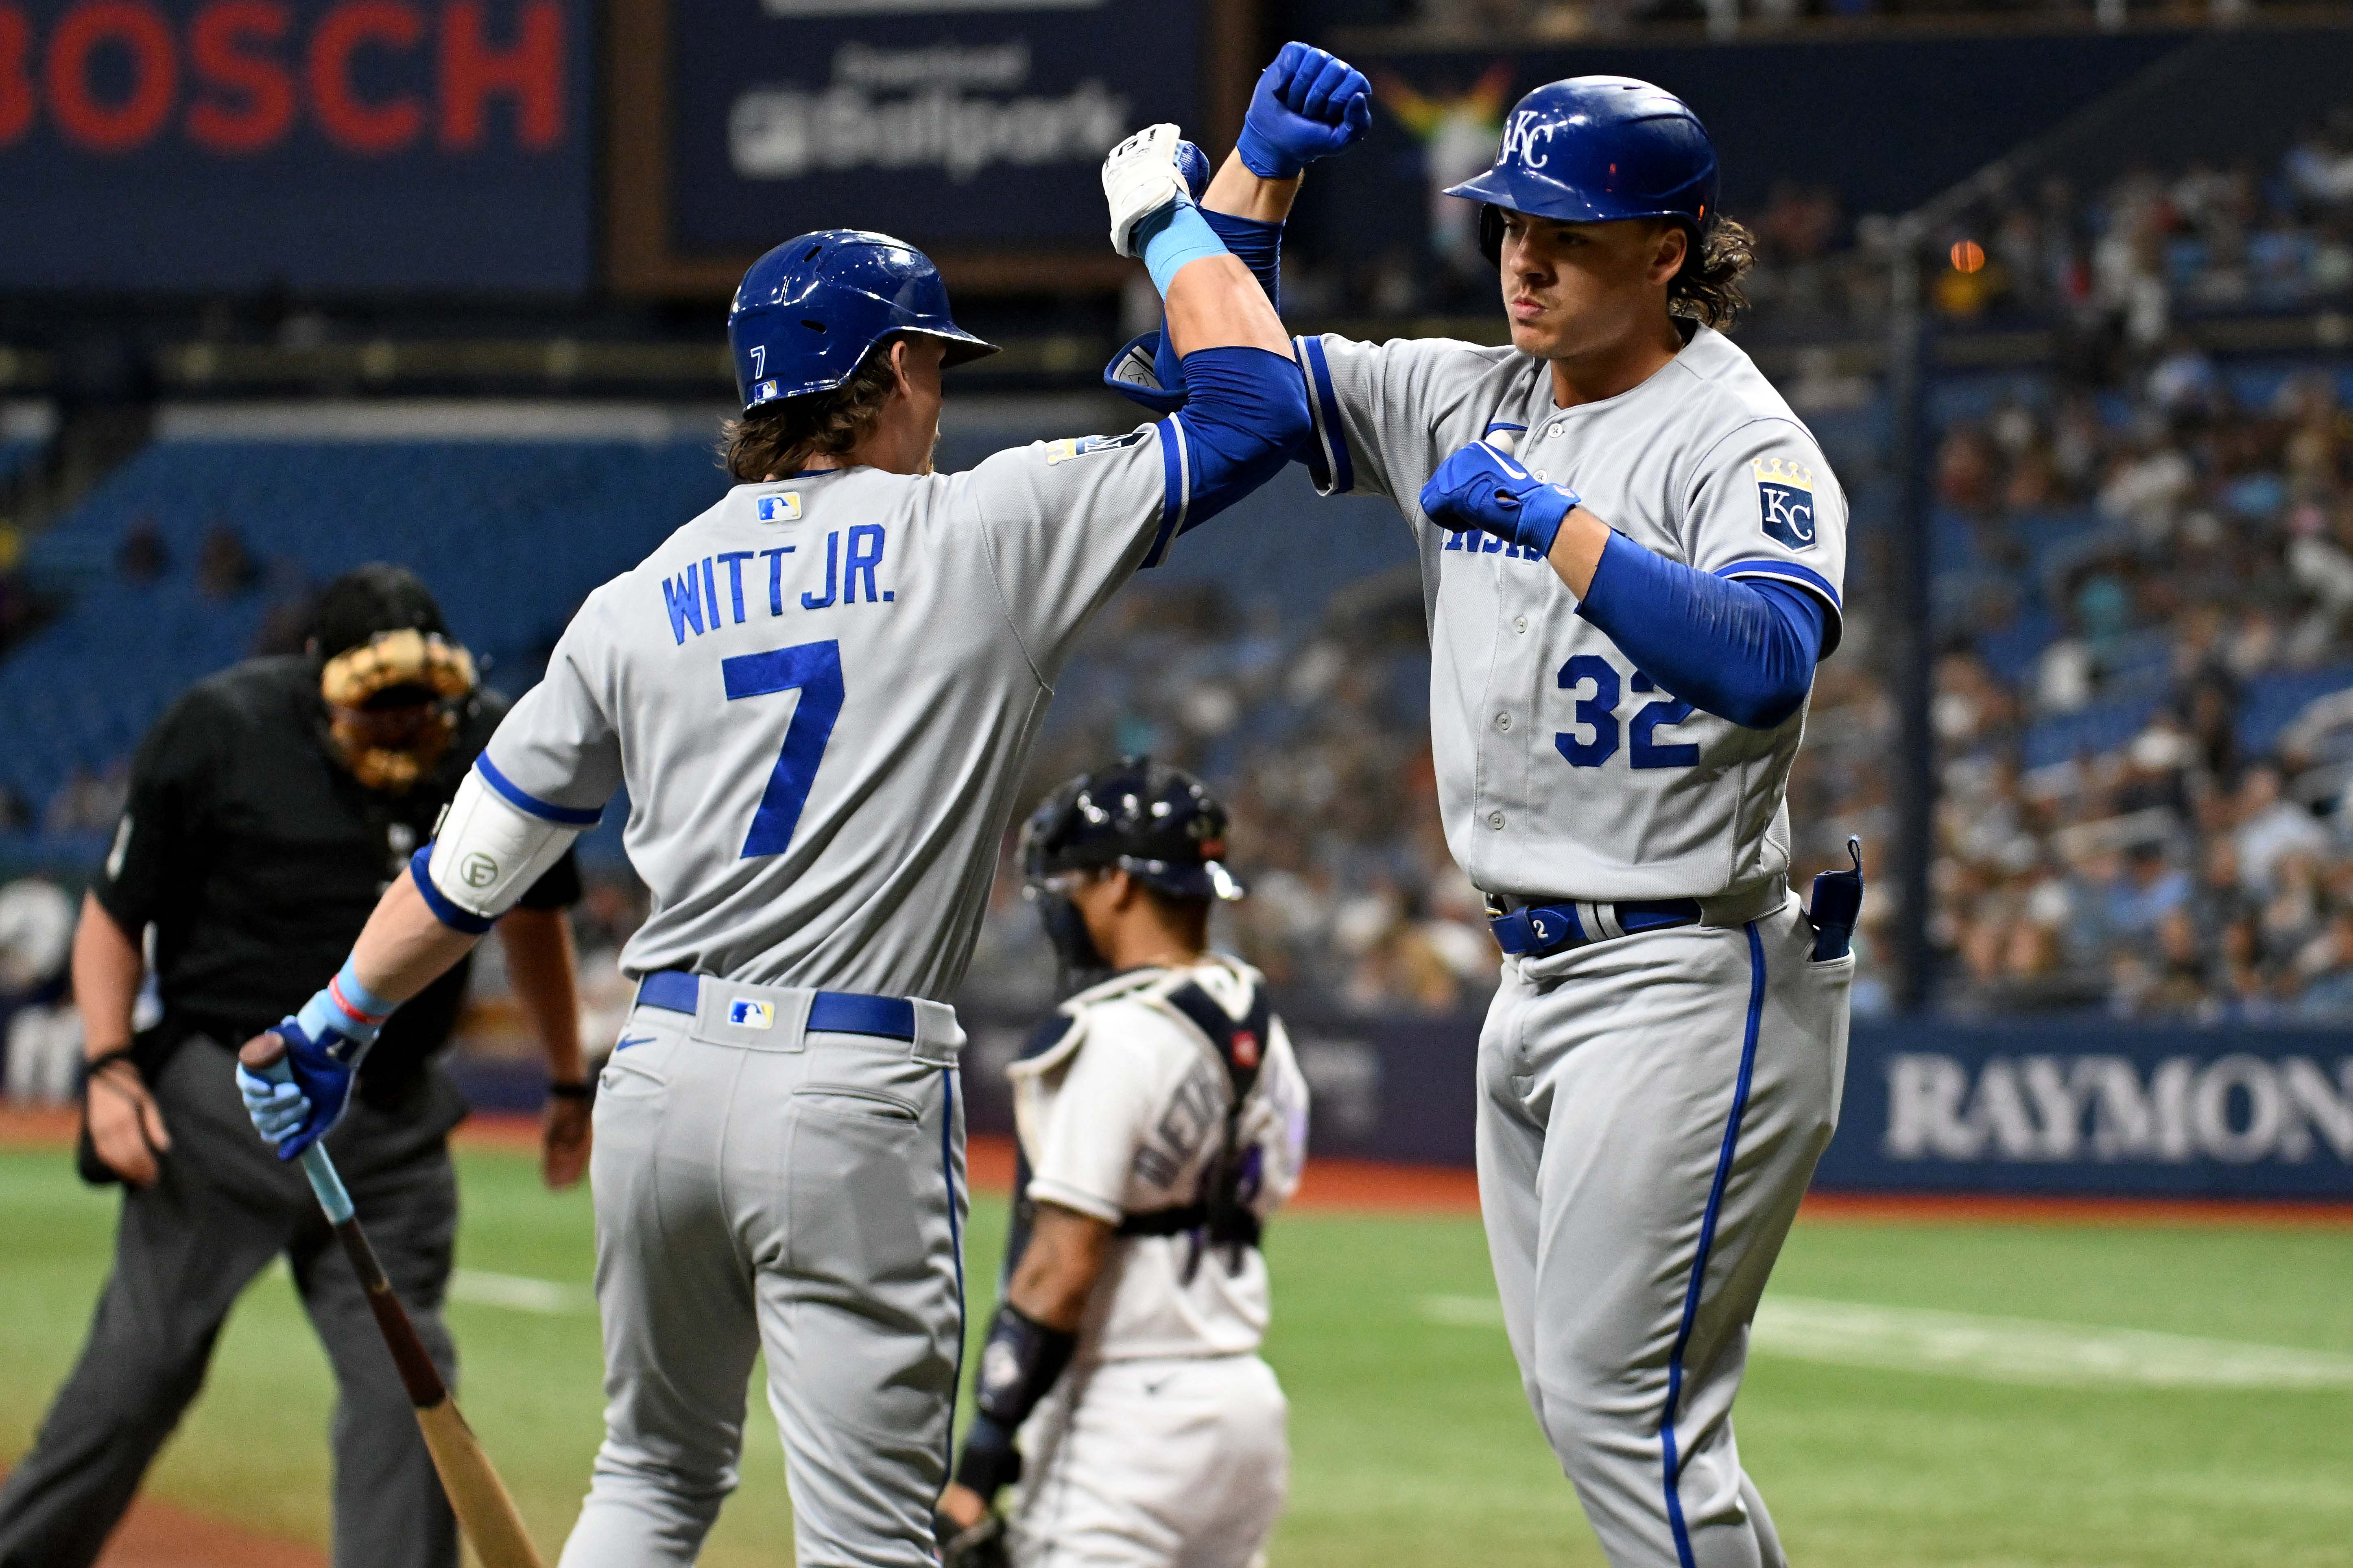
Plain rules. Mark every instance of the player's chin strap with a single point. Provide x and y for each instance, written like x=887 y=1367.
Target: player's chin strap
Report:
x=1018 y=1366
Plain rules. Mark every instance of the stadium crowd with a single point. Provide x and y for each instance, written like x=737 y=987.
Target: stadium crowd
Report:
x=2143 y=713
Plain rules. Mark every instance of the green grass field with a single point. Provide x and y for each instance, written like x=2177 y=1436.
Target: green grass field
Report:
x=2037 y=1444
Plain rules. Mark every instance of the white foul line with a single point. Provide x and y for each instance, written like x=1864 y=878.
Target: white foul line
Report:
x=2024 y=1351
x=480 y=1288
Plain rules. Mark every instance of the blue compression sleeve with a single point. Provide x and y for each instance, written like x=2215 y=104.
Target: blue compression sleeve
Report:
x=1172 y=241
x=1257 y=245
x=1741 y=650
x=1246 y=408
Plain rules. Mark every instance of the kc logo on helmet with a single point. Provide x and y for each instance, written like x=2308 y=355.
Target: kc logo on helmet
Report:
x=1526 y=128
x=1784 y=495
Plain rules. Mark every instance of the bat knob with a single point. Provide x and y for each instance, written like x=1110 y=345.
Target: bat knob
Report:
x=262 y=1052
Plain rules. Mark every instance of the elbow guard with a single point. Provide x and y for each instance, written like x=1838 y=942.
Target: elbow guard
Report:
x=486 y=856
x=1245 y=413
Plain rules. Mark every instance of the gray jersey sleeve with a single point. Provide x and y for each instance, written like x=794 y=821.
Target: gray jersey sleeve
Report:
x=557 y=754
x=1379 y=408
x=1761 y=502
x=1066 y=522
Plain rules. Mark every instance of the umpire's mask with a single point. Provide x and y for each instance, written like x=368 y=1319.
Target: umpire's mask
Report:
x=392 y=679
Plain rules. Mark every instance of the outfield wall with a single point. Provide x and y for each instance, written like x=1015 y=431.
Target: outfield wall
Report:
x=2080 y=1107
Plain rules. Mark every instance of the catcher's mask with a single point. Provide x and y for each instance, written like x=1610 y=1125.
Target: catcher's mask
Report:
x=1158 y=824
x=392 y=705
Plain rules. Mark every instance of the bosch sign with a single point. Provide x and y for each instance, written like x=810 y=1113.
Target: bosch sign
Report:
x=426 y=142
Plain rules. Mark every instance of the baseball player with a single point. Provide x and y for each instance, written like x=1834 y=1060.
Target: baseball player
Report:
x=820 y=695
x=1162 y=1121
x=1631 y=554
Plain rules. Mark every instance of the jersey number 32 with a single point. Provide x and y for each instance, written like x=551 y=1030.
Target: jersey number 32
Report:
x=1595 y=740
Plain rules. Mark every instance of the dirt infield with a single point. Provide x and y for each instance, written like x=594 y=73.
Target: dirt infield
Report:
x=158 y=1535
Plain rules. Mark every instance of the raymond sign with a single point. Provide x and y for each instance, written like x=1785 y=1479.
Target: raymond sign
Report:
x=330 y=145
x=953 y=125
x=2100 y=1108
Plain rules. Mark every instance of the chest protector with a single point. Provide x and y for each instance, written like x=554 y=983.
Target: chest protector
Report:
x=1220 y=1216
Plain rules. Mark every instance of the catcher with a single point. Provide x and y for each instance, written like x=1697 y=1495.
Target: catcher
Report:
x=1162 y=1119
x=269 y=807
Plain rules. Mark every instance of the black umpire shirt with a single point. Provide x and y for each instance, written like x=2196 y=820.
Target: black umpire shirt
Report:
x=258 y=858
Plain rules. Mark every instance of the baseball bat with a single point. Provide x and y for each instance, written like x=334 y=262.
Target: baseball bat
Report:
x=486 y=1514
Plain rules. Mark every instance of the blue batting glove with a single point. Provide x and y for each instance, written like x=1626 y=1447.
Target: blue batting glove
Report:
x=279 y=1110
x=1194 y=165
x=325 y=1043
x=1308 y=104
x=1484 y=488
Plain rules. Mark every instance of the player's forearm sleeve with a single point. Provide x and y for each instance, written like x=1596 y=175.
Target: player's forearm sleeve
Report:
x=1741 y=650
x=1257 y=245
x=1245 y=410
x=491 y=849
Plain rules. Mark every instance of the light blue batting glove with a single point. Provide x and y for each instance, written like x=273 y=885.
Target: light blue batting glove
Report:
x=325 y=1043
x=279 y=1110
x=1308 y=104
x=1483 y=488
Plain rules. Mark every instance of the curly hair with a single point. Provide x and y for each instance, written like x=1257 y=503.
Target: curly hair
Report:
x=780 y=438
x=1708 y=288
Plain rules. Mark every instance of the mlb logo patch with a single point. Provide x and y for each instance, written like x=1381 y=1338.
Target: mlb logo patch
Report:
x=746 y=1013
x=785 y=508
x=1785 y=496
x=1070 y=446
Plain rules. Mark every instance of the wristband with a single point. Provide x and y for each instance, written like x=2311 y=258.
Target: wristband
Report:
x=105 y=1060
x=990 y=1462
x=1170 y=243
x=360 y=1005
x=584 y=1088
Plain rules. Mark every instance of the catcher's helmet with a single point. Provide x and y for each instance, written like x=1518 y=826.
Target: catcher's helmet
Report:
x=1595 y=149
x=1158 y=824
x=807 y=311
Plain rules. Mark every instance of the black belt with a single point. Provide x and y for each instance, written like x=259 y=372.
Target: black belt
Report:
x=1540 y=931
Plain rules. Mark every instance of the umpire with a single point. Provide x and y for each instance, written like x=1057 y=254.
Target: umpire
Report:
x=269 y=809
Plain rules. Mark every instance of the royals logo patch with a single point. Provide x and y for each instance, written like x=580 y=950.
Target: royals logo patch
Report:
x=1784 y=495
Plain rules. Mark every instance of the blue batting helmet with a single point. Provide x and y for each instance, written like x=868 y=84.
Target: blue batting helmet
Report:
x=807 y=311
x=1595 y=149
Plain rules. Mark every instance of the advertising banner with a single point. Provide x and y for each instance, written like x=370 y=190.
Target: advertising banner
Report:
x=954 y=126
x=321 y=145
x=2097 y=1111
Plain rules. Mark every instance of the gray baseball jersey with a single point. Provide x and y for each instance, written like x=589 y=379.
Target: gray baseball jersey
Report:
x=820 y=695
x=1562 y=770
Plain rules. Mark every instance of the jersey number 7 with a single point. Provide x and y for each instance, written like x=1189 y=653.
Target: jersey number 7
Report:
x=813 y=670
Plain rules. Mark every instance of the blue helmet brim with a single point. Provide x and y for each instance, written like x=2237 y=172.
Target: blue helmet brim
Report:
x=1519 y=191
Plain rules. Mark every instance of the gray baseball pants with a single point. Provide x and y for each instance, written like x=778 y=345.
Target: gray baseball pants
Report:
x=765 y=1188
x=222 y=1208
x=1650 y=1109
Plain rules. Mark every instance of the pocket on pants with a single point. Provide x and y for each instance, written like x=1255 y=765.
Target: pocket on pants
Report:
x=856 y=1100
x=868 y=1194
